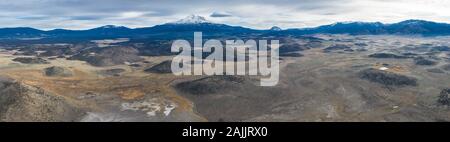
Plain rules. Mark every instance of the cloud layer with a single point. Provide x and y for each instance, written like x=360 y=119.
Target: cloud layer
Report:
x=83 y=14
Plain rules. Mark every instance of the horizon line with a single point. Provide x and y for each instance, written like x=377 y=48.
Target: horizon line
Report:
x=298 y=28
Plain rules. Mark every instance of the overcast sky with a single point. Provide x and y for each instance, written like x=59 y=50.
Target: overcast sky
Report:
x=261 y=14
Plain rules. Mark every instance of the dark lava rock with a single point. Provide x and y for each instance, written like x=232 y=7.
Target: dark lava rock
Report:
x=26 y=53
x=164 y=67
x=112 y=72
x=387 y=78
x=446 y=67
x=31 y=60
x=285 y=48
x=20 y=102
x=156 y=48
x=314 y=44
x=435 y=70
x=211 y=85
x=440 y=48
x=291 y=55
x=58 y=71
x=51 y=53
x=349 y=50
x=108 y=56
x=338 y=47
x=361 y=50
x=361 y=44
x=56 y=51
x=424 y=62
x=410 y=55
x=444 y=98
x=386 y=55
x=135 y=65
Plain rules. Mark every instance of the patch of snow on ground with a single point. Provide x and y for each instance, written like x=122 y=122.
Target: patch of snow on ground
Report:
x=151 y=107
x=168 y=108
x=383 y=68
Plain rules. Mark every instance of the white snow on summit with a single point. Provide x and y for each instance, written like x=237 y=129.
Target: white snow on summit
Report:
x=192 y=19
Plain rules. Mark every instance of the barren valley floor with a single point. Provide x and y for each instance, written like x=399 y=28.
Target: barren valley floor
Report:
x=344 y=78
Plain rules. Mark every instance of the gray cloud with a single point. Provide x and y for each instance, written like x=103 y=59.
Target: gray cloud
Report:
x=220 y=14
x=34 y=18
x=86 y=17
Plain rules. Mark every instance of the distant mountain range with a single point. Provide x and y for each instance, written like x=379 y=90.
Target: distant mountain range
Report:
x=408 y=27
x=185 y=27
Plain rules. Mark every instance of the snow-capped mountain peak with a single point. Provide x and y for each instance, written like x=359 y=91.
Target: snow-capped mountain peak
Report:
x=275 y=28
x=192 y=19
x=413 y=22
x=111 y=27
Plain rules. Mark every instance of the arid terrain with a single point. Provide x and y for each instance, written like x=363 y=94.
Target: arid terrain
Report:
x=323 y=77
